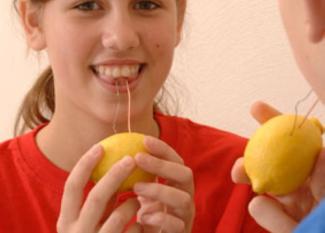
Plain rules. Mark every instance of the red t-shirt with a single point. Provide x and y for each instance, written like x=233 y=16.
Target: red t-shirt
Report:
x=32 y=187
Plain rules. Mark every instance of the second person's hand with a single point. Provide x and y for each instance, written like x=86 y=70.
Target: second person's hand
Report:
x=280 y=214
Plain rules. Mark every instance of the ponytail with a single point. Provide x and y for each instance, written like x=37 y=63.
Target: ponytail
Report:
x=38 y=105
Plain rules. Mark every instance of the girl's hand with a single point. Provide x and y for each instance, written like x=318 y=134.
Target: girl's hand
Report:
x=165 y=207
x=281 y=214
x=96 y=213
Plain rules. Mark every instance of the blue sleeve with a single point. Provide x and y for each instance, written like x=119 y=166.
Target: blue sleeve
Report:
x=314 y=222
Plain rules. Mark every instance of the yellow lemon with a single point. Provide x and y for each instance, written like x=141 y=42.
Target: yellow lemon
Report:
x=115 y=148
x=278 y=159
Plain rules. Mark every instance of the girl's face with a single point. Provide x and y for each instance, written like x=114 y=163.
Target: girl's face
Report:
x=95 y=47
x=309 y=56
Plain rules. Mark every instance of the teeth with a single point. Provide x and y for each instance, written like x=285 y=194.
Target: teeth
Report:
x=118 y=71
x=135 y=69
x=125 y=71
x=106 y=72
x=101 y=69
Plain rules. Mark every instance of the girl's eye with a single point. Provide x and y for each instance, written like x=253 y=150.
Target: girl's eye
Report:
x=146 y=5
x=88 y=6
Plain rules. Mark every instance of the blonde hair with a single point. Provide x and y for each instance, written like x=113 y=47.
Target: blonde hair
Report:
x=38 y=104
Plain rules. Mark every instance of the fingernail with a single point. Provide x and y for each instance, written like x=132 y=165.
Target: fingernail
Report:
x=141 y=199
x=148 y=140
x=141 y=157
x=96 y=150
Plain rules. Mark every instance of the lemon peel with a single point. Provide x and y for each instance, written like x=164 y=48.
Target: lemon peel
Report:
x=278 y=159
x=115 y=148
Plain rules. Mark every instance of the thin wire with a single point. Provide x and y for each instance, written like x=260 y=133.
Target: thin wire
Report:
x=309 y=111
x=129 y=128
x=129 y=106
x=296 y=110
x=117 y=109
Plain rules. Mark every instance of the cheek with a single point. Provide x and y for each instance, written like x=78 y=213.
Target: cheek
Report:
x=294 y=23
x=69 y=51
x=162 y=47
x=160 y=44
x=161 y=34
x=310 y=57
x=294 y=20
x=161 y=52
x=313 y=68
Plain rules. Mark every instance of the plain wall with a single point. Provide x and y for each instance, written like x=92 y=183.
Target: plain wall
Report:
x=233 y=53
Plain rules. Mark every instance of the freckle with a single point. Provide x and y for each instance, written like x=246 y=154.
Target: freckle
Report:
x=157 y=46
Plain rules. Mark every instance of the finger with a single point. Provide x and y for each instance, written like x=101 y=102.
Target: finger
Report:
x=317 y=178
x=120 y=217
x=151 y=229
x=148 y=206
x=145 y=201
x=174 y=172
x=162 y=150
x=76 y=182
x=238 y=173
x=149 y=209
x=135 y=228
x=269 y=214
x=298 y=203
x=166 y=222
x=181 y=203
x=97 y=200
x=262 y=112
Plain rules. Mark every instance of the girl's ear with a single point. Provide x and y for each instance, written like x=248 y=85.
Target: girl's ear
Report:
x=30 y=15
x=316 y=19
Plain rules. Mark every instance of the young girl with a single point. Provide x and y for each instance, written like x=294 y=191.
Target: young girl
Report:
x=283 y=214
x=103 y=53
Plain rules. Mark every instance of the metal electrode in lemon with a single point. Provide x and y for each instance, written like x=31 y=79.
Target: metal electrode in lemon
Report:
x=279 y=157
x=115 y=148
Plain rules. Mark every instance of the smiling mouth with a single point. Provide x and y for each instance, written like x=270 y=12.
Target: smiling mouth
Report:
x=117 y=74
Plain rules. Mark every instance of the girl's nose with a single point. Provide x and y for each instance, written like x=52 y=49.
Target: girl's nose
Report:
x=120 y=34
